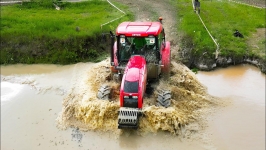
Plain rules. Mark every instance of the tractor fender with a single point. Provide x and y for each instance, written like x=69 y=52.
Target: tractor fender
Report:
x=166 y=59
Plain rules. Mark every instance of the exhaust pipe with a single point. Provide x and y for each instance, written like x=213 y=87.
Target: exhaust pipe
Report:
x=112 y=48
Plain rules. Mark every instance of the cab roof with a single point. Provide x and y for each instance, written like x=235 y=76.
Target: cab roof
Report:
x=141 y=29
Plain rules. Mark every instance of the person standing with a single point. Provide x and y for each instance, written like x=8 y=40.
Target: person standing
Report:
x=197 y=6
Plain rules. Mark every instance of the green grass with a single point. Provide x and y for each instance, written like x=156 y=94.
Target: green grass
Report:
x=36 y=32
x=31 y=20
x=221 y=18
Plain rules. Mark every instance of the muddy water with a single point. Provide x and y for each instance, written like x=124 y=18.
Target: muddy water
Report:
x=241 y=124
x=82 y=109
x=31 y=100
x=244 y=82
x=32 y=95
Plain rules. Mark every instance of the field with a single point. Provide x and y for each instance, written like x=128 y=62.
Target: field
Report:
x=221 y=18
x=38 y=33
x=42 y=34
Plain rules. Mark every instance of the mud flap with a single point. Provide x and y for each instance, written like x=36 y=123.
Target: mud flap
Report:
x=128 y=118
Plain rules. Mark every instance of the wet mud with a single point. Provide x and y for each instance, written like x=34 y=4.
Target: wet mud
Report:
x=190 y=101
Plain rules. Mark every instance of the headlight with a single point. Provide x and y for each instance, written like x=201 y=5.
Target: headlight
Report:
x=135 y=97
x=152 y=39
x=122 y=39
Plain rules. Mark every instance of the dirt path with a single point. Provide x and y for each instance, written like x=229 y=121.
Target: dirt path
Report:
x=151 y=10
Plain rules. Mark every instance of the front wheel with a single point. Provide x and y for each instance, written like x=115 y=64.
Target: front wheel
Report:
x=164 y=99
x=104 y=92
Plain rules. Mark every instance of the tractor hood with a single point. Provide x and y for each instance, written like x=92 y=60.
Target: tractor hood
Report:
x=132 y=74
x=135 y=68
x=134 y=82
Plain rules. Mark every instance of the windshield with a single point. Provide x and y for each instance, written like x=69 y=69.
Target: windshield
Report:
x=136 y=46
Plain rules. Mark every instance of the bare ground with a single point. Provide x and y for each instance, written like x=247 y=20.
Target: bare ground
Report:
x=151 y=10
x=257 y=42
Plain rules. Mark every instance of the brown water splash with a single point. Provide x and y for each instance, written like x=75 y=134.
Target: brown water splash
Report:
x=188 y=104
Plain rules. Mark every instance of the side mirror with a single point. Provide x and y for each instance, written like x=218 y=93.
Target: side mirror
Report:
x=111 y=33
x=111 y=48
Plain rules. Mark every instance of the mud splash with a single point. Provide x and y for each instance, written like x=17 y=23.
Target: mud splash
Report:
x=82 y=109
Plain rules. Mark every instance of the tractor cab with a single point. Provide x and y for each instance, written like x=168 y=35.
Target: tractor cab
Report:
x=129 y=46
x=139 y=38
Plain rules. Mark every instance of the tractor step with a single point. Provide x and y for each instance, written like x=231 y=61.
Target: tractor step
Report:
x=128 y=117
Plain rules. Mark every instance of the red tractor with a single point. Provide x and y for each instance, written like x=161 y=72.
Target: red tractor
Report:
x=139 y=54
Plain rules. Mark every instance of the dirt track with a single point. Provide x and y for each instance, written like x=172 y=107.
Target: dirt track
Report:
x=151 y=10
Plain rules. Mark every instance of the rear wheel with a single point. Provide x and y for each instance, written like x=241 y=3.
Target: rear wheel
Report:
x=104 y=92
x=164 y=99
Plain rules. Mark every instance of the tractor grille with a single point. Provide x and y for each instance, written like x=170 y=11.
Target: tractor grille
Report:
x=128 y=116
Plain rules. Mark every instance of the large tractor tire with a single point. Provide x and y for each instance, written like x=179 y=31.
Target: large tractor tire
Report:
x=104 y=92
x=164 y=99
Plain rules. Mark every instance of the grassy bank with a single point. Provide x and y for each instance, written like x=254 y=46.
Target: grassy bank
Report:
x=35 y=32
x=222 y=18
